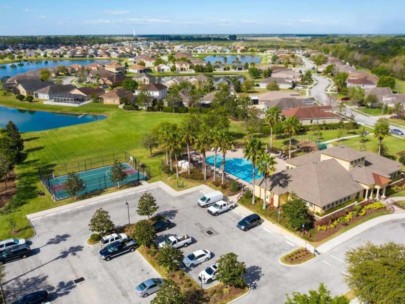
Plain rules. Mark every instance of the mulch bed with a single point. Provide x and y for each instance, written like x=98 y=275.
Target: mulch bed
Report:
x=321 y=235
x=298 y=256
x=7 y=194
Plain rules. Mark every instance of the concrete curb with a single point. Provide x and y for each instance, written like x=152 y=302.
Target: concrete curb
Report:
x=241 y=296
x=295 y=265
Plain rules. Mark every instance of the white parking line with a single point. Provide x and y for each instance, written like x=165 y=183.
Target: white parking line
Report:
x=336 y=258
x=269 y=231
x=337 y=268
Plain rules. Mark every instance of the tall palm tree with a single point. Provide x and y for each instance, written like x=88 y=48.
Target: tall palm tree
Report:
x=253 y=149
x=266 y=165
x=291 y=127
x=225 y=143
x=175 y=147
x=166 y=132
x=273 y=116
x=215 y=145
x=189 y=129
x=202 y=143
x=381 y=129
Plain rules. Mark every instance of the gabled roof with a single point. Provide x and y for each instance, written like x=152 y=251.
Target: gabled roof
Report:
x=117 y=93
x=33 y=84
x=155 y=87
x=381 y=164
x=89 y=91
x=343 y=153
x=309 y=113
x=379 y=91
x=56 y=89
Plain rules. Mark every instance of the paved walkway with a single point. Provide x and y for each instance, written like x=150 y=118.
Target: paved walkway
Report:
x=339 y=139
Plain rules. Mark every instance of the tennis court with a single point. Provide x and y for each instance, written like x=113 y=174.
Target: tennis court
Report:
x=94 y=180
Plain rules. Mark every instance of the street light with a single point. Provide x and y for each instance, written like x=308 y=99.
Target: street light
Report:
x=129 y=221
x=202 y=279
x=278 y=215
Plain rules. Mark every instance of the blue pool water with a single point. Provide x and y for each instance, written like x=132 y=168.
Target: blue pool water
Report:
x=239 y=167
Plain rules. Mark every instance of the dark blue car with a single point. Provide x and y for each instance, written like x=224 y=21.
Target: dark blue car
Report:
x=249 y=222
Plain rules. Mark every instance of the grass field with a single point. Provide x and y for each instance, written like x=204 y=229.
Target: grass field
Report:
x=121 y=131
x=371 y=111
x=400 y=86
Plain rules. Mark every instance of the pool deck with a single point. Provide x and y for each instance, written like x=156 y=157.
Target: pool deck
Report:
x=238 y=153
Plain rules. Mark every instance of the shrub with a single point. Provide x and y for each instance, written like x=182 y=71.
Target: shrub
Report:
x=234 y=187
x=402 y=159
x=20 y=97
x=95 y=237
x=128 y=107
x=247 y=195
x=29 y=98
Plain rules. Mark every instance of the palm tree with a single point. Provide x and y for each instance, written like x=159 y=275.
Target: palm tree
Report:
x=225 y=143
x=253 y=149
x=189 y=129
x=266 y=165
x=291 y=126
x=202 y=143
x=175 y=147
x=273 y=116
x=215 y=144
x=166 y=132
x=381 y=129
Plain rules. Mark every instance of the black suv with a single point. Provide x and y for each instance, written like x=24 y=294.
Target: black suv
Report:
x=161 y=223
x=117 y=248
x=249 y=222
x=17 y=252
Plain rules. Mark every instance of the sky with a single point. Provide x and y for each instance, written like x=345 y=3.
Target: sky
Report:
x=73 y=17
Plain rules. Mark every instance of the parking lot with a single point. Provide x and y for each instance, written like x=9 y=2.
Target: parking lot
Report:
x=62 y=256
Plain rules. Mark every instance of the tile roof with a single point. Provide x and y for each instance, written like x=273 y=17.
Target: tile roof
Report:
x=309 y=113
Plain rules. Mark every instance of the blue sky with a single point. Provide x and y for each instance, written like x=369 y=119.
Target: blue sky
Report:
x=53 y=17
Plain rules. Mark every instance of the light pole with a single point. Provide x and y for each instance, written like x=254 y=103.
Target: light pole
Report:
x=129 y=221
x=278 y=215
x=202 y=279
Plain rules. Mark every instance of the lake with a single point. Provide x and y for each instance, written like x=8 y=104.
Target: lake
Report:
x=25 y=66
x=29 y=121
x=232 y=59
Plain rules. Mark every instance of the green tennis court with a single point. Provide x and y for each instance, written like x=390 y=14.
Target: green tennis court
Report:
x=94 y=180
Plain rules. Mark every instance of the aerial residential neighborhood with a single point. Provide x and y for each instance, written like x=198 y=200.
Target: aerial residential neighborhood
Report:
x=194 y=152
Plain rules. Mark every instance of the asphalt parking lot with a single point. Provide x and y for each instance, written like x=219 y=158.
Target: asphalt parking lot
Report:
x=61 y=254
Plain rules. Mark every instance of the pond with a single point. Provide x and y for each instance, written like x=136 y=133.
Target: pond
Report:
x=30 y=121
x=12 y=69
x=233 y=59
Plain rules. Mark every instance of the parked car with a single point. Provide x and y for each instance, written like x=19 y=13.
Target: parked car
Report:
x=111 y=238
x=36 y=297
x=209 y=274
x=161 y=224
x=196 y=258
x=148 y=287
x=221 y=207
x=397 y=132
x=210 y=198
x=249 y=222
x=117 y=248
x=9 y=243
x=176 y=242
x=16 y=252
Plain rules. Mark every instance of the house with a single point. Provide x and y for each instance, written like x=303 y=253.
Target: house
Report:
x=136 y=68
x=380 y=93
x=87 y=92
x=29 y=86
x=312 y=115
x=362 y=80
x=266 y=100
x=93 y=66
x=154 y=90
x=115 y=67
x=286 y=103
x=51 y=91
x=144 y=79
x=329 y=178
x=283 y=83
x=163 y=68
x=115 y=96
x=198 y=80
x=182 y=66
x=208 y=99
x=393 y=99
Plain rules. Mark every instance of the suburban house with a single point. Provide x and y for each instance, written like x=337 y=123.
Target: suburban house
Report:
x=270 y=99
x=312 y=115
x=393 y=99
x=114 y=67
x=136 y=68
x=144 y=79
x=380 y=93
x=88 y=92
x=362 y=80
x=182 y=66
x=93 y=66
x=198 y=80
x=114 y=96
x=283 y=83
x=163 y=68
x=329 y=178
x=29 y=86
x=108 y=79
x=51 y=91
x=207 y=99
x=154 y=90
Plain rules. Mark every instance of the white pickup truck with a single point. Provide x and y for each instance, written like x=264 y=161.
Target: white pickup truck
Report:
x=177 y=242
x=221 y=207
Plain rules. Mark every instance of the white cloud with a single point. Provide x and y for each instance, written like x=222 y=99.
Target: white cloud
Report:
x=117 y=12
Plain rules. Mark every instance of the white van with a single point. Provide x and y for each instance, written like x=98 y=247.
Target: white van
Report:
x=210 y=198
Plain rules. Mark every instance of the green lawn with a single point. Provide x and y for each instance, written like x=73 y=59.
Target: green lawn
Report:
x=121 y=131
x=400 y=86
x=371 y=111
x=398 y=122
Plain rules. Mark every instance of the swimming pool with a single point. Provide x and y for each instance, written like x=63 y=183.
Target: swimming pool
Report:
x=239 y=167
